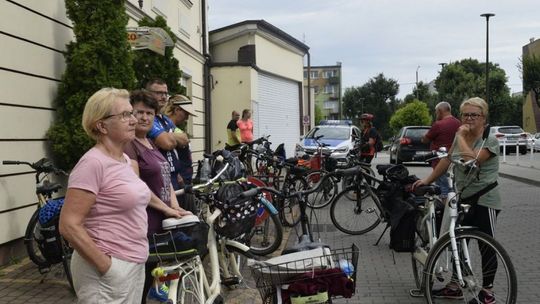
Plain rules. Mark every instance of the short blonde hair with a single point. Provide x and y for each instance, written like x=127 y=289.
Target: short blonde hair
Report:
x=476 y=102
x=98 y=106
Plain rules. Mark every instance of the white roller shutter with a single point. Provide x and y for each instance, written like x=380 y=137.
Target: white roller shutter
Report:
x=278 y=111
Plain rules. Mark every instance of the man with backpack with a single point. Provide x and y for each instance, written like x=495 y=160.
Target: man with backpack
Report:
x=371 y=140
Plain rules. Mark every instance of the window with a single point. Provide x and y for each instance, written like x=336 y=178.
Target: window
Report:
x=184 y=23
x=160 y=7
x=305 y=74
x=187 y=82
x=314 y=74
x=328 y=74
x=329 y=89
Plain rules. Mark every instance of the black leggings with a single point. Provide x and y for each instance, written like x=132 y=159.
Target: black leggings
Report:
x=485 y=219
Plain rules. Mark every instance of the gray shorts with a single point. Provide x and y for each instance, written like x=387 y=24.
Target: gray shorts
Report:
x=123 y=282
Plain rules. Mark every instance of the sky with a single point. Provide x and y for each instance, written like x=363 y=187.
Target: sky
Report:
x=395 y=37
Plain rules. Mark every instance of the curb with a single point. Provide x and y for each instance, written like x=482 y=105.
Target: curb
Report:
x=521 y=179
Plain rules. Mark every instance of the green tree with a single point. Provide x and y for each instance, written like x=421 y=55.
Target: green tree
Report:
x=149 y=64
x=98 y=57
x=318 y=114
x=530 y=69
x=431 y=99
x=466 y=78
x=415 y=113
x=377 y=96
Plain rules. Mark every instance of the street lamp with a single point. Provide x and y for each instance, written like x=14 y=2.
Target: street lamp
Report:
x=487 y=16
x=417 y=82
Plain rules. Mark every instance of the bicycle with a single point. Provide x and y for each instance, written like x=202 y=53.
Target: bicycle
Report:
x=44 y=244
x=267 y=234
x=321 y=163
x=306 y=259
x=189 y=282
x=461 y=255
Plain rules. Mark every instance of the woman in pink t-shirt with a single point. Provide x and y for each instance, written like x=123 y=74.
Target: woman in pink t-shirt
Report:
x=104 y=214
x=245 y=124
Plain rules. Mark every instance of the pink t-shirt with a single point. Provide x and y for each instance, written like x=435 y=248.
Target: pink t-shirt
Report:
x=117 y=222
x=246 y=130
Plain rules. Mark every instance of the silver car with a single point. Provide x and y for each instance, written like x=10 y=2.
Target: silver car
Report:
x=511 y=138
x=536 y=144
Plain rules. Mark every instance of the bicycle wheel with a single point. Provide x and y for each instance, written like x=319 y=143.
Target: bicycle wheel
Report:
x=475 y=270
x=290 y=212
x=351 y=180
x=67 y=252
x=32 y=237
x=322 y=197
x=267 y=234
x=357 y=215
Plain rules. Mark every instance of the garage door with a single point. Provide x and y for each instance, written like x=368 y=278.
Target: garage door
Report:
x=278 y=112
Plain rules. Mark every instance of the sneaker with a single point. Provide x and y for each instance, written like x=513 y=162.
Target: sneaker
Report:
x=160 y=294
x=447 y=293
x=484 y=297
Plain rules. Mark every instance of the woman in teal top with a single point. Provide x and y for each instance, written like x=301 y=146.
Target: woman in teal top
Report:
x=468 y=145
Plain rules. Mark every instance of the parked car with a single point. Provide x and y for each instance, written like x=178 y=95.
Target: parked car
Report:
x=408 y=143
x=511 y=137
x=339 y=135
x=536 y=144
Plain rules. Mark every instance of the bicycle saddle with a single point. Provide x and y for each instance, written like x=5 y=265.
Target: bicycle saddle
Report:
x=184 y=221
x=427 y=189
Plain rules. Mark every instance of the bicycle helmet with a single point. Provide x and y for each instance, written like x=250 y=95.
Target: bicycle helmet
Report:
x=50 y=210
x=366 y=116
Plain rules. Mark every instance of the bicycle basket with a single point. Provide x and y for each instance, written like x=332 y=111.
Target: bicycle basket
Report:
x=50 y=210
x=237 y=216
x=298 y=276
x=172 y=244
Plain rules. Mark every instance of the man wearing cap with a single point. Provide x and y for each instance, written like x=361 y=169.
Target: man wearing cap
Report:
x=162 y=132
x=178 y=110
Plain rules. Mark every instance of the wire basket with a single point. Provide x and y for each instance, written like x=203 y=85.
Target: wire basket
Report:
x=312 y=276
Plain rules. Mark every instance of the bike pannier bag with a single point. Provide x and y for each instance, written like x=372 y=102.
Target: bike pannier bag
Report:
x=49 y=239
x=402 y=234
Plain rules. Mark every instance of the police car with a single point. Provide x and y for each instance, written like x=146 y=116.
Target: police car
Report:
x=338 y=134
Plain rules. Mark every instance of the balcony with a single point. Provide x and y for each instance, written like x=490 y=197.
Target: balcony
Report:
x=333 y=80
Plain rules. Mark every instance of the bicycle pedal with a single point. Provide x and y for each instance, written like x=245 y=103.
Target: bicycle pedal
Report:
x=370 y=210
x=230 y=281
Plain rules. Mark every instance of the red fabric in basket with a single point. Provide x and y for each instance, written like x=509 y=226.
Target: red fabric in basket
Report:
x=334 y=281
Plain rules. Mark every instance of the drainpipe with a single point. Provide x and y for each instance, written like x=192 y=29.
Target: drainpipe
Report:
x=207 y=84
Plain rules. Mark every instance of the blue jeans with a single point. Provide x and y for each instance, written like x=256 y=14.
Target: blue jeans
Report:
x=443 y=183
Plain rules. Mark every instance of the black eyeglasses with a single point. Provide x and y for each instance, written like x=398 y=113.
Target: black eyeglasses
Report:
x=472 y=116
x=124 y=116
x=161 y=93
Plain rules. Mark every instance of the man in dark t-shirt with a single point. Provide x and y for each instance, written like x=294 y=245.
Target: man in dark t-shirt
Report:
x=233 y=132
x=442 y=134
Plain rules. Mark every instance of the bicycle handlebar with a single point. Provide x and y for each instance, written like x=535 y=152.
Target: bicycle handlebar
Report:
x=41 y=166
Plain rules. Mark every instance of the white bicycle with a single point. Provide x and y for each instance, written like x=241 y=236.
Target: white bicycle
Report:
x=458 y=255
x=188 y=281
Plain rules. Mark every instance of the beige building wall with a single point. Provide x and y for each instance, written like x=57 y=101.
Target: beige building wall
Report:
x=232 y=89
x=33 y=36
x=279 y=60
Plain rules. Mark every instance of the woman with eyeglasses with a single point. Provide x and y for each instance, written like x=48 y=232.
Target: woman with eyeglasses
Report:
x=482 y=189
x=154 y=170
x=104 y=213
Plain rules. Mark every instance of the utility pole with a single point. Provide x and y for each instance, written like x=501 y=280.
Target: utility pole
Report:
x=487 y=16
x=417 y=83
